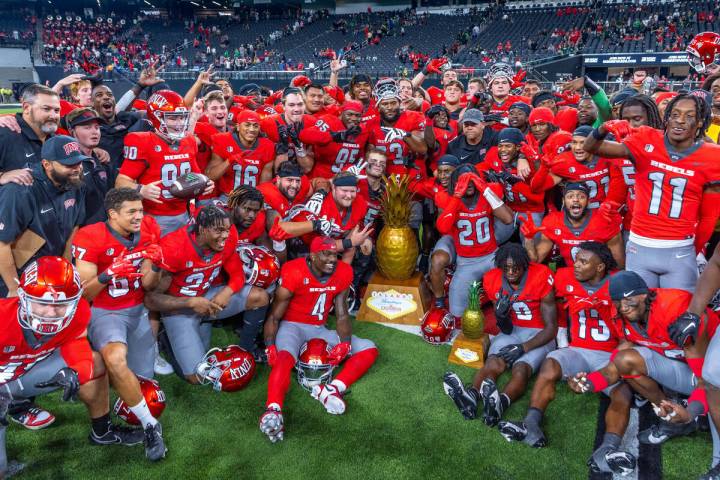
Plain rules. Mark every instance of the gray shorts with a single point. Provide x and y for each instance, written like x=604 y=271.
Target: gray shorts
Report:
x=130 y=326
x=445 y=244
x=24 y=386
x=573 y=360
x=534 y=357
x=292 y=335
x=663 y=267
x=669 y=373
x=189 y=334
x=711 y=367
x=170 y=223
x=467 y=271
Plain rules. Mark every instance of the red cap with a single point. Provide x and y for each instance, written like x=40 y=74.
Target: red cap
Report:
x=320 y=244
x=664 y=96
x=247 y=116
x=353 y=106
x=541 y=115
x=335 y=92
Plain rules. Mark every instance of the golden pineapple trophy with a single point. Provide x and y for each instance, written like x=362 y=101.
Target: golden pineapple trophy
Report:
x=469 y=347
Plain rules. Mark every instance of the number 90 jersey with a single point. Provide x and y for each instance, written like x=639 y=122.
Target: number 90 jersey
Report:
x=312 y=298
x=97 y=244
x=525 y=313
x=148 y=158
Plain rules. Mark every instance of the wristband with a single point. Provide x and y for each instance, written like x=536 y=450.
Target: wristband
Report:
x=591 y=87
x=138 y=187
x=492 y=199
x=598 y=381
x=347 y=244
x=597 y=135
x=104 y=278
x=280 y=246
x=697 y=402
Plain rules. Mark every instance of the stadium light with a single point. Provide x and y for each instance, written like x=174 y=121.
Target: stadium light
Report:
x=216 y=3
x=196 y=4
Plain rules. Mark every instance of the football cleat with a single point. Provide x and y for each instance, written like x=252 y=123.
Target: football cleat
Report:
x=330 y=397
x=271 y=424
x=162 y=367
x=33 y=418
x=118 y=435
x=520 y=432
x=154 y=444
x=493 y=406
x=608 y=459
x=664 y=431
x=466 y=400
x=712 y=474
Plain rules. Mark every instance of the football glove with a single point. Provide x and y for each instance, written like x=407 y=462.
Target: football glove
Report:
x=502 y=313
x=517 y=79
x=433 y=66
x=684 y=329
x=434 y=110
x=529 y=152
x=67 y=379
x=462 y=184
x=345 y=135
x=326 y=227
x=122 y=267
x=358 y=169
x=314 y=203
x=528 y=229
x=338 y=353
x=609 y=210
x=619 y=129
x=392 y=134
x=511 y=353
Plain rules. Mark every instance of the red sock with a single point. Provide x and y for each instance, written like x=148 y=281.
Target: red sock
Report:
x=696 y=365
x=356 y=366
x=279 y=380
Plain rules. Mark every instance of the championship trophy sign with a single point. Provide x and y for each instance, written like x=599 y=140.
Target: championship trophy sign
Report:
x=396 y=293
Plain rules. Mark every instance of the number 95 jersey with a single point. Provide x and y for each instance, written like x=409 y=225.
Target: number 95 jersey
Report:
x=148 y=158
x=538 y=282
x=312 y=297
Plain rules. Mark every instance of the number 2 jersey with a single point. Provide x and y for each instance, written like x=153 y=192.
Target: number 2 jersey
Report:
x=98 y=244
x=312 y=296
x=149 y=158
x=536 y=284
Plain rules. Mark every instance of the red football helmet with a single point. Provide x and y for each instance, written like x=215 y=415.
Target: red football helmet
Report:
x=262 y=268
x=313 y=364
x=154 y=397
x=703 y=51
x=437 y=326
x=49 y=293
x=228 y=369
x=167 y=112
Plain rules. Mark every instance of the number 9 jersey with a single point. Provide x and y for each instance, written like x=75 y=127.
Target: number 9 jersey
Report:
x=536 y=284
x=148 y=158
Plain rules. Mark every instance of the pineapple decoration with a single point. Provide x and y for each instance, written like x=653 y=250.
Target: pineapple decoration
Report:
x=473 y=320
x=397 y=247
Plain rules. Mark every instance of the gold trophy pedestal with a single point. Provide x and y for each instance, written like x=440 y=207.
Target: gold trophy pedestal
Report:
x=469 y=352
x=395 y=301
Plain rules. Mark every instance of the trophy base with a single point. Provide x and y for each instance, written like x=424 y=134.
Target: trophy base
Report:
x=395 y=301
x=469 y=352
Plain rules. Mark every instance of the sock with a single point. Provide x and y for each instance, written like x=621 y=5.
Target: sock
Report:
x=611 y=440
x=279 y=380
x=101 y=425
x=533 y=416
x=356 y=366
x=252 y=323
x=341 y=387
x=440 y=302
x=142 y=412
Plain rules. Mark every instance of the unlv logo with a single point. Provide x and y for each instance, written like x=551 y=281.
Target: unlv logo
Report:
x=158 y=100
x=71 y=147
x=240 y=371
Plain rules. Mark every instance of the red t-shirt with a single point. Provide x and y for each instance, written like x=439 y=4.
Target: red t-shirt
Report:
x=537 y=284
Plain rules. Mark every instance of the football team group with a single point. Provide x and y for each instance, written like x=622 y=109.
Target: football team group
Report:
x=130 y=228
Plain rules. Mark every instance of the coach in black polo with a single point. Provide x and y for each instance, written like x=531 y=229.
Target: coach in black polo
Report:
x=52 y=207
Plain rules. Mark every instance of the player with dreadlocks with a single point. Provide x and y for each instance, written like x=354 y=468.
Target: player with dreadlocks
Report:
x=674 y=168
x=194 y=256
x=524 y=300
x=245 y=204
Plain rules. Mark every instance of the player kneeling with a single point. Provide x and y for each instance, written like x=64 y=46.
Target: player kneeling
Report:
x=186 y=297
x=307 y=289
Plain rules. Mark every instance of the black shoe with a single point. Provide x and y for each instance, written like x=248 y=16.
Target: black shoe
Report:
x=492 y=403
x=712 y=474
x=259 y=355
x=608 y=459
x=154 y=444
x=664 y=431
x=466 y=401
x=520 y=432
x=118 y=435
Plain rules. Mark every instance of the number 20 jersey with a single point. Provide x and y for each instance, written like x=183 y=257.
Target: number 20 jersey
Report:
x=312 y=298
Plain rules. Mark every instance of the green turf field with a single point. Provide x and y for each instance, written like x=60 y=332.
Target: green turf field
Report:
x=399 y=424
x=9 y=108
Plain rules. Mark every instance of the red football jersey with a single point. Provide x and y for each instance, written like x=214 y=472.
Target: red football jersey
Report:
x=194 y=271
x=275 y=200
x=373 y=202
x=472 y=229
x=538 y=282
x=388 y=139
x=149 y=158
x=370 y=114
x=332 y=157
x=588 y=310
x=520 y=196
x=595 y=173
x=559 y=231
x=17 y=356
x=625 y=193
x=245 y=165
x=254 y=231
x=312 y=298
x=97 y=244
x=501 y=108
x=204 y=132
x=668 y=187
x=345 y=220
x=443 y=136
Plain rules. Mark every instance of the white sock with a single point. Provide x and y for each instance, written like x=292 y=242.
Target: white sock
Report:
x=339 y=385
x=142 y=412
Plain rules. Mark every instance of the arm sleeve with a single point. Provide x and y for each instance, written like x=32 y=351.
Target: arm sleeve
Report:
x=446 y=221
x=603 y=105
x=319 y=134
x=542 y=180
x=78 y=356
x=709 y=213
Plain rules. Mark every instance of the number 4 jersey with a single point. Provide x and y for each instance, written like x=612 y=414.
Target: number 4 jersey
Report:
x=536 y=284
x=312 y=297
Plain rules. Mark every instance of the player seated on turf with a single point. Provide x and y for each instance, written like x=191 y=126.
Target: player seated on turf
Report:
x=648 y=359
x=526 y=315
x=582 y=291
x=111 y=259
x=188 y=296
x=307 y=289
x=46 y=325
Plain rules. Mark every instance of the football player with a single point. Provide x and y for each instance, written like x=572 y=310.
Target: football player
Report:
x=453 y=93
x=435 y=65
x=45 y=349
x=188 y=296
x=216 y=113
x=518 y=114
x=284 y=128
x=674 y=168
x=308 y=287
x=440 y=133
x=110 y=260
x=573 y=224
x=500 y=79
x=526 y=316
x=246 y=211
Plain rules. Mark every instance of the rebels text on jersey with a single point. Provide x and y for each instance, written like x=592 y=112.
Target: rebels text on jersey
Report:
x=332 y=157
x=534 y=286
x=312 y=297
x=149 y=158
x=245 y=164
x=97 y=244
x=596 y=227
x=390 y=140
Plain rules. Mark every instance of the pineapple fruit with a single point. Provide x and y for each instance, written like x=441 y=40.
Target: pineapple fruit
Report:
x=473 y=320
x=397 y=247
